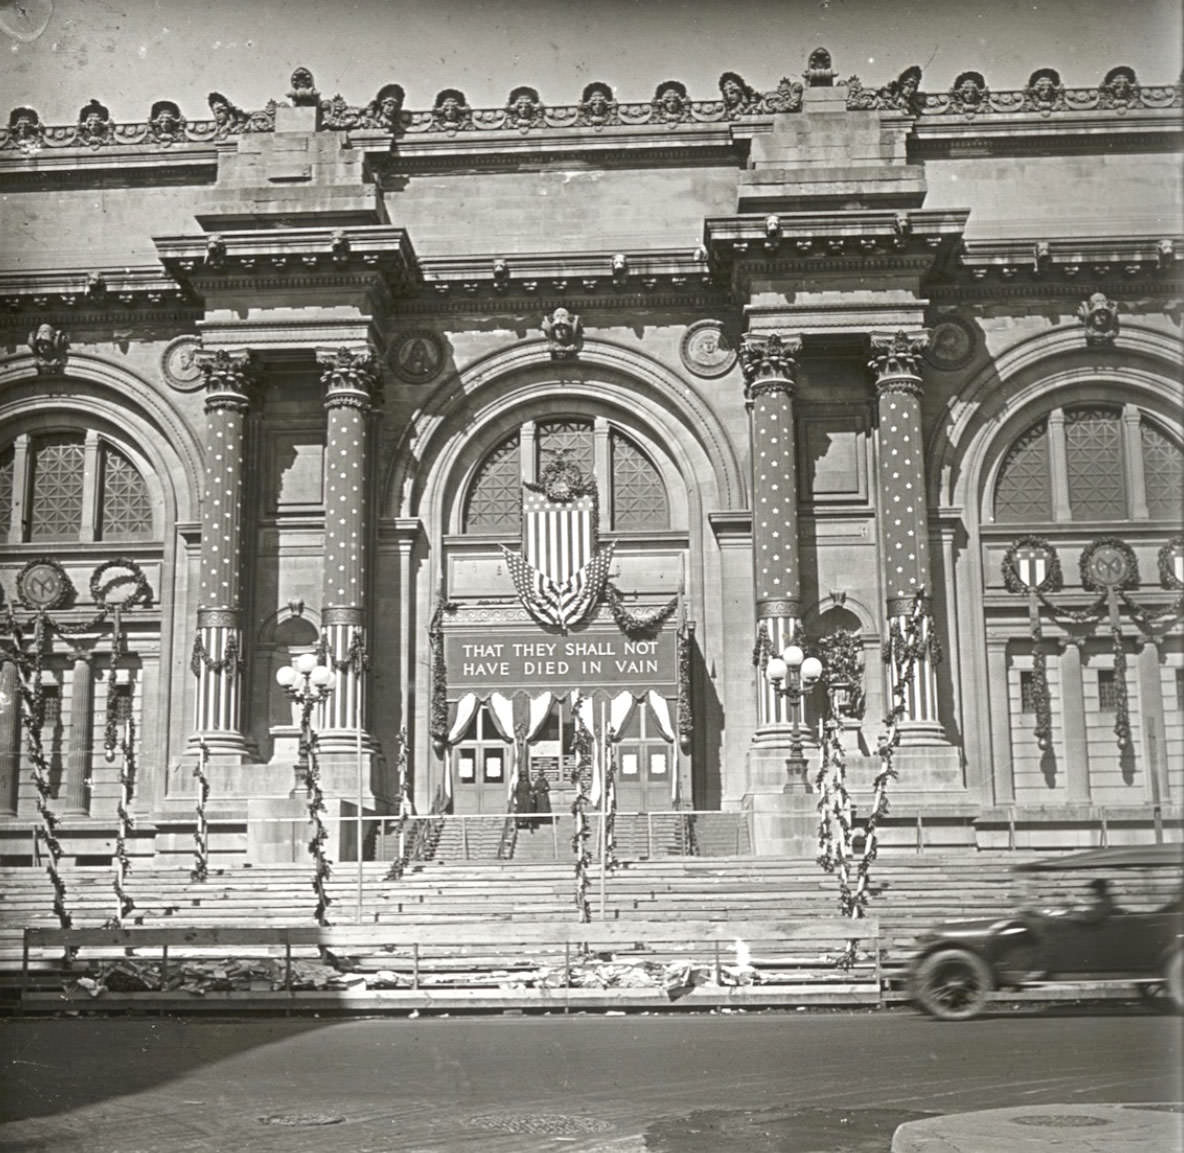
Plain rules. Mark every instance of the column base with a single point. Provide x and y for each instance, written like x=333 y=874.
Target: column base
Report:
x=223 y=746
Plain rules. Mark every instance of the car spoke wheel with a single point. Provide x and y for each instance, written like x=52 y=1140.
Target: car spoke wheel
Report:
x=952 y=985
x=1174 y=979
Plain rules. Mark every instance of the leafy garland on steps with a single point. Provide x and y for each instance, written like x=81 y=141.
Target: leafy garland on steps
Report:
x=201 y=831
x=27 y=655
x=581 y=838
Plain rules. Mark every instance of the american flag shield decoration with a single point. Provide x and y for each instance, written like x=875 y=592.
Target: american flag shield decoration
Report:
x=561 y=571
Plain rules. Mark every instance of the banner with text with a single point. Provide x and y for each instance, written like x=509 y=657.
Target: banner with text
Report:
x=533 y=660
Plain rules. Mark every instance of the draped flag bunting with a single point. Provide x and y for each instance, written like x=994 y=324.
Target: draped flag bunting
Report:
x=559 y=576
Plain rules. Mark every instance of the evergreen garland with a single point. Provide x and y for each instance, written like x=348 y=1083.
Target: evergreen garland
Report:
x=1122 y=714
x=686 y=713
x=201 y=832
x=1166 y=563
x=438 y=708
x=27 y=657
x=634 y=624
x=323 y=868
x=230 y=663
x=582 y=835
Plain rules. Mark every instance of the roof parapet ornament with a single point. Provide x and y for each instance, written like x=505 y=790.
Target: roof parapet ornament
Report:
x=819 y=73
x=304 y=92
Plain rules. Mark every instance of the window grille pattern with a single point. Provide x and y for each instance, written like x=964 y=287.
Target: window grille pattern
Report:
x=1027 y=692
x=56 y=507
x=1163 y=473
x=7 y=464
x=573 y=437
x=127 y=508
x=638 y=495
x=1093 y=459
x=1107 y=691
x=495 y=500
x=1024 y=489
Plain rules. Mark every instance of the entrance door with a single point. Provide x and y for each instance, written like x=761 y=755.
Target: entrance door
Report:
x=480 y=767
x=645 y=764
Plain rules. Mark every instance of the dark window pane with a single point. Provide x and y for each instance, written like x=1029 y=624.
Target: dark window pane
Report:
x=1163 y=473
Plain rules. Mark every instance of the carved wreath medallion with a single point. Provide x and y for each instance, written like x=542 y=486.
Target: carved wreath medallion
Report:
x=43 y=584
x=416 y=357
x=707 y=350
x=179 y=364
x=951 y=344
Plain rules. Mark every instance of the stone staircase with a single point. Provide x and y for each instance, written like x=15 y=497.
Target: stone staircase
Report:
x=910 y=893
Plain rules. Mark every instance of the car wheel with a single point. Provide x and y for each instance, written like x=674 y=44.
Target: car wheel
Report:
x=952 y=985
x=1173 y=973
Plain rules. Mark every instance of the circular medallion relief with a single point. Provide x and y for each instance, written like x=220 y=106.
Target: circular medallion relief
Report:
x=179 y=363
x=43 y=584
x=707 y=350
x=1108 y=566
x=416 y=357
x=951 y=344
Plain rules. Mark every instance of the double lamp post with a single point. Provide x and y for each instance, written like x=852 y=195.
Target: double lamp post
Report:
x=793 y=675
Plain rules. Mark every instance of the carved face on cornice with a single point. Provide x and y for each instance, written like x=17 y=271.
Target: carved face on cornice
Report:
x=670 y=99
x=908 y=83
x=24 y=124
x=450 y=105
x=165 y=120
x=389 y=102
x=733 y=89
x=523 y=104
x=597 y=102
x=93 y=123
x=1043 y=86
x=1120 y=83
x=969 y=88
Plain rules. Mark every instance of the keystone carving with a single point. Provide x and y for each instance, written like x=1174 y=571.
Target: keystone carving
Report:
x=564 y=334
x=49 y=347
x=1099 y=315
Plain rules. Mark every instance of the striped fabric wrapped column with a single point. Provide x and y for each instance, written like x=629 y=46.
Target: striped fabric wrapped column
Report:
x=350 y=381
x=770 y=375
x=904 y=528
x=218 y=647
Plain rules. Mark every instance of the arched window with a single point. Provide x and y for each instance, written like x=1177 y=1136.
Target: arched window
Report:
x=1090 y=463
x=495 y=499
x=639 y=496
x=71 y=487
x=633 y=496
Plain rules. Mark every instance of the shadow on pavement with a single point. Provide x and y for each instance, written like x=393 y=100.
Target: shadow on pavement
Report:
x=57 y=1064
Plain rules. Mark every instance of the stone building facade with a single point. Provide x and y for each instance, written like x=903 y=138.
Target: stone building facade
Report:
x=529 y=417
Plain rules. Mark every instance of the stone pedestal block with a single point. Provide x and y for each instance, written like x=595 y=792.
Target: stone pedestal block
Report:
x=783 y=824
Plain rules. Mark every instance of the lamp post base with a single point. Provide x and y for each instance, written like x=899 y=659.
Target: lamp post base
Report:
x=795 y=771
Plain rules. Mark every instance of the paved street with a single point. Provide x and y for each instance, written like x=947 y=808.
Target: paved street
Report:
x=753 y=1083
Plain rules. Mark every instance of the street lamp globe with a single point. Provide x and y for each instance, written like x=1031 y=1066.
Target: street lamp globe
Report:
x=811 y=670
x=305 y=663
x=322 y=677
x=285 y=676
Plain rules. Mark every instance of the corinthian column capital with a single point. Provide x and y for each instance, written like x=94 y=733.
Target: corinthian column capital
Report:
x=350 y=376
x=769 y=363
x=228 y=376
x=896 y=359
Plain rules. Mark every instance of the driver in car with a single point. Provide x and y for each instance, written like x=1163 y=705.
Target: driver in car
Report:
x=1099 y=905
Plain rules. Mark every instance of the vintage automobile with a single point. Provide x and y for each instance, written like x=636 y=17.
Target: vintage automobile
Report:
x=1137 y=939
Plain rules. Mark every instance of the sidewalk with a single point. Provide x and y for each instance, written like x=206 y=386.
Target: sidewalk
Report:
x=1047 y=1128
